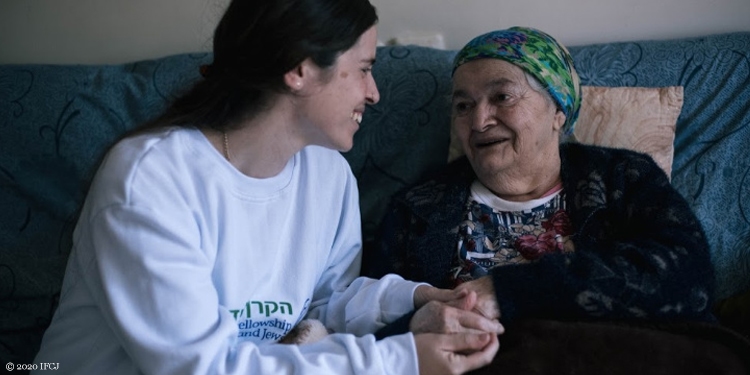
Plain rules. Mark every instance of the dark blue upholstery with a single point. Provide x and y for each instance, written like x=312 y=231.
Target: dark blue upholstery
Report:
x=57 y=121
x=711 y=166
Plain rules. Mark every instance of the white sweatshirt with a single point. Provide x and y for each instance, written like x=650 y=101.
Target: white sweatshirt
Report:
x=183 y=265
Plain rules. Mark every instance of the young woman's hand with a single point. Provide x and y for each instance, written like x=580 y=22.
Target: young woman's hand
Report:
x=426 y=293
x=456 y=353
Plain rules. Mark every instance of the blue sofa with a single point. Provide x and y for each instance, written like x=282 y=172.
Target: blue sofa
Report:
x=56 y=121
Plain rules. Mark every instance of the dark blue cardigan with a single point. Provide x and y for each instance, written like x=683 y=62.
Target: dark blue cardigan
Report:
x=640 y=252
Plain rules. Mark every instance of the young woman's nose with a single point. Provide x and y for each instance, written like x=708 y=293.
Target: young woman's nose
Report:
x=372 y=94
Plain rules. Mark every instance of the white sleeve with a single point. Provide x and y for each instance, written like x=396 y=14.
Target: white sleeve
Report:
x=155 y=291
x=345 y=302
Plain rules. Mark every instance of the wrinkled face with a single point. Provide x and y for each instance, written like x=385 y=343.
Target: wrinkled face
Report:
x=334 y=110
x=506 y=128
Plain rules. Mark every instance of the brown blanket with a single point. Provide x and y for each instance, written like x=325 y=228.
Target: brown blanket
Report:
x=532 y=347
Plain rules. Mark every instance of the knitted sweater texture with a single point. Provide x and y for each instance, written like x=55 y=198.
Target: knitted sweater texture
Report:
x=640 y=252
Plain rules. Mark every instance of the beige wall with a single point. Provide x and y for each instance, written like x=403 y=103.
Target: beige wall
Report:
x=573 y=22
x=104 y=31
x=113 y=31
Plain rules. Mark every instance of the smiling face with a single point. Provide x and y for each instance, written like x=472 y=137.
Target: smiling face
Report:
x=509 y=131
x=333 y=109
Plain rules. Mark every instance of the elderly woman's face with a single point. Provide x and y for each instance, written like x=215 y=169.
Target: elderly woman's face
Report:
x=503 y=124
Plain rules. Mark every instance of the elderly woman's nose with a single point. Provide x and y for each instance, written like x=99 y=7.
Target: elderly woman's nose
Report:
x=483 y=117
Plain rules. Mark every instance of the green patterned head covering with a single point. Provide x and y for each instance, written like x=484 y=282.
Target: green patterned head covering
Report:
x=538 y=54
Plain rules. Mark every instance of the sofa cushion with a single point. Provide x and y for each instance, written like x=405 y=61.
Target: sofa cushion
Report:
x=55 y=124
x=404 y=137
x=711 y=166
x=638 y=118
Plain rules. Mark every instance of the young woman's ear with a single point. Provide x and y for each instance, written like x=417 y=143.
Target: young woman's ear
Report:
x=294 y=78
x=306 y=74
x=302 y=75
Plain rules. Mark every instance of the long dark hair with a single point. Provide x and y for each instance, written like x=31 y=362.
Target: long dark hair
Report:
x=255 y=44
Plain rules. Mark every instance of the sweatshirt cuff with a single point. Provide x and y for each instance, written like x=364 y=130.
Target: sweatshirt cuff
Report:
x=392 y=352
x=399 y=300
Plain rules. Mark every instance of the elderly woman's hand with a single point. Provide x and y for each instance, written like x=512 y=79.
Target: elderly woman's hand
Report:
x=426 y=293
x=440 y=317
x=486 y=298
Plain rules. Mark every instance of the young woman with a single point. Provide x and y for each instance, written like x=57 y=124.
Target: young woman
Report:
x=211 y=232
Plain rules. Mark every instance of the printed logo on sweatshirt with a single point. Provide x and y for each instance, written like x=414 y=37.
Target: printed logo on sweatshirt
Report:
x=267 y=321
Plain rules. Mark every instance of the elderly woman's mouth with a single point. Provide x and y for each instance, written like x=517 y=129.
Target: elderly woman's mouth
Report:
x=489 y=143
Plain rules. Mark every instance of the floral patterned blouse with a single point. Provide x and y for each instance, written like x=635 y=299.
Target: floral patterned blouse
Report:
x=496 y=232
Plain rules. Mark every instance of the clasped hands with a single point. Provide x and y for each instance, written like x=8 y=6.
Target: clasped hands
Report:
x=470 y=307
x=455 y=331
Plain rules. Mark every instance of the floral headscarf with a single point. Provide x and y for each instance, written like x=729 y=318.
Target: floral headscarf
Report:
x=537 y=53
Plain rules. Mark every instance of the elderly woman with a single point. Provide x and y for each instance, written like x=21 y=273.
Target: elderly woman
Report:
x=537 y=225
